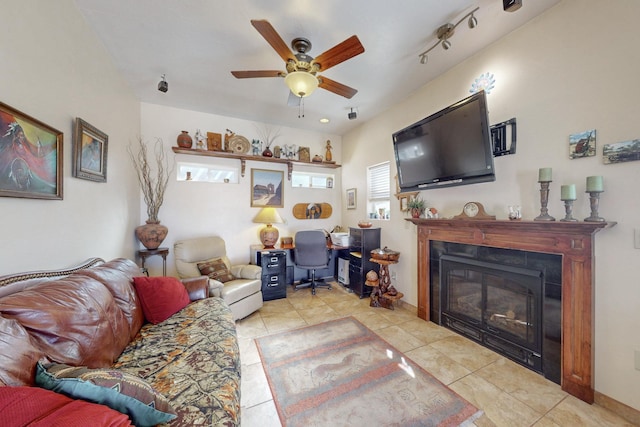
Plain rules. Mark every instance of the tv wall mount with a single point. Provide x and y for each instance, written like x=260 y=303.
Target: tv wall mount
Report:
x=500 y=141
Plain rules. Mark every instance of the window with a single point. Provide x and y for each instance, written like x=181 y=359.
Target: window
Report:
x=379 y=191
x=206 y=173
x=311 y=180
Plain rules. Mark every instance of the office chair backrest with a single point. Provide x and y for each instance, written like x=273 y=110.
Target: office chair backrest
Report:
x=311 y=249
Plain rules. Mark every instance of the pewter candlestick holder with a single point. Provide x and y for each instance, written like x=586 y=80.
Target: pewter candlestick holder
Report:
x=594 y=199
x=568 y=207
x=544 y=200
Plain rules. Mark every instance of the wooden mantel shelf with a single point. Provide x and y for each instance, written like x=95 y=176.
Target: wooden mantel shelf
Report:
x=573 y=240
x=244 y=157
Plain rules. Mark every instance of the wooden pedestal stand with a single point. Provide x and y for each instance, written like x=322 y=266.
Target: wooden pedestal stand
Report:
x=380 y=294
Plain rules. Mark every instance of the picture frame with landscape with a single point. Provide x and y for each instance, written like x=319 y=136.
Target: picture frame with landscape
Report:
x=267 y=188
x=90 y=147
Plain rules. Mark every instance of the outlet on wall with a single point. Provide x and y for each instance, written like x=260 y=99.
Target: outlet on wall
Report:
x=393 y=275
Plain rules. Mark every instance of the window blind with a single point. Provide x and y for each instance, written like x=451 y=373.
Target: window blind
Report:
x=379 y=186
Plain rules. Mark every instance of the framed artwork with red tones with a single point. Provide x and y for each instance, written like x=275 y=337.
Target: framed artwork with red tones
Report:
x=30 y=157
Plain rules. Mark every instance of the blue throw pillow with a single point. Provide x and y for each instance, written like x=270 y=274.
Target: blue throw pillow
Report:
x=118 y=390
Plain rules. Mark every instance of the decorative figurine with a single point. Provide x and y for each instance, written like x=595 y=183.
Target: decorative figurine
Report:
x=327 y=156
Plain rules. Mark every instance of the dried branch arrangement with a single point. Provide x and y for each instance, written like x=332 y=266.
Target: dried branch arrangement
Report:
x=153 y=187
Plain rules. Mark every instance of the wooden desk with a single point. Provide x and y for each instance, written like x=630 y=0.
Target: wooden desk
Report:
x=145 y=253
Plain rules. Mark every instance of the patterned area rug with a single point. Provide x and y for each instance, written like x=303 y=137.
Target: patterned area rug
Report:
x=341 y=373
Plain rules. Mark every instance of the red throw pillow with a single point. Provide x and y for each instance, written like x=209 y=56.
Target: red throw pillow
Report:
x=37 y=407
x=160 y=297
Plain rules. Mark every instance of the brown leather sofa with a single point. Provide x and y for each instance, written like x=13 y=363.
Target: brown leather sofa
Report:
x=91 y=316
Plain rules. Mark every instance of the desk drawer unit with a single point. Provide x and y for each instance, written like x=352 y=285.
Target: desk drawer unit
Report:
x=274 y=274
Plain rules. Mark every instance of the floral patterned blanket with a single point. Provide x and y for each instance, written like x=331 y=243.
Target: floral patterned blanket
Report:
x=193 y=359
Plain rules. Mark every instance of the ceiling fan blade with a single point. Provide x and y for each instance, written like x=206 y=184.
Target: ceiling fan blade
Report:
x=259 y=73
x=337 y=88
x=339 y=53
x=273 y=38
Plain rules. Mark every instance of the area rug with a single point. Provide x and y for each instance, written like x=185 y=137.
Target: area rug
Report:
x=341 y=373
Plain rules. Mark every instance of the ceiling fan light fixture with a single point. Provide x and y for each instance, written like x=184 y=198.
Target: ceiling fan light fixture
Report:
x=301 y=83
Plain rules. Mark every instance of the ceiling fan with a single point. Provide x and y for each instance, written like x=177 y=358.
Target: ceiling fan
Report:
x=301 y=75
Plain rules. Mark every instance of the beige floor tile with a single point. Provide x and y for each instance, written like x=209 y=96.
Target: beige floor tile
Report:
x=372 y=320
x=574 y=412
x=523 y=384
x=437 y=364
x=251 y=326
x=262 y=415
x=254 y=386
x=400 y=339
x=502 y=409
x=426 y=331
x=283 y=321
x=248 y=351
x=318 y=314
x=465 y=352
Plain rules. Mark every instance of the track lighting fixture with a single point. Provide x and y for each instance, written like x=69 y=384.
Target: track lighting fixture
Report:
x=163 y=86
x=352 y=115
x=446 y=31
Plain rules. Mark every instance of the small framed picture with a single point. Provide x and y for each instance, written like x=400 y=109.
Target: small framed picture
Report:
x=351 y=198
x=329 y=182
x=404 y=203
x=89 y=152
x=266 y=188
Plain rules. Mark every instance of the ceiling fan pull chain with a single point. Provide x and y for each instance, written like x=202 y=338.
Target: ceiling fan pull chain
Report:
x=301 y=108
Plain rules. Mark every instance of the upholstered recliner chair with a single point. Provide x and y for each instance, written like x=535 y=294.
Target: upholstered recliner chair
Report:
x=240 y=286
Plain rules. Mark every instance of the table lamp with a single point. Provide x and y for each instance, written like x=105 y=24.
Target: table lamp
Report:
x=268 y=234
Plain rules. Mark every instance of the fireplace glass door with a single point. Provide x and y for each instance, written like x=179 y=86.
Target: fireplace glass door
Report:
x=497 y=305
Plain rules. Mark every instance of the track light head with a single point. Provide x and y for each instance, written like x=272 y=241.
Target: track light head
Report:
x=423 y=59
x=352 y=115
x=473 y=22
x=163 y=86
x=446 y=44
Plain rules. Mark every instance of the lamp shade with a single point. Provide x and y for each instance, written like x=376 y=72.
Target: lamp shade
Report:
x=268 y=234
x=301 y=83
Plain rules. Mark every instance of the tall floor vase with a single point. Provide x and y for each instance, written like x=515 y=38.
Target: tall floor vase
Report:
x=151 y=234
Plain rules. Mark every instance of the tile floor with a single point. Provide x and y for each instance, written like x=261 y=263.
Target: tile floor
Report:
x=509 y=394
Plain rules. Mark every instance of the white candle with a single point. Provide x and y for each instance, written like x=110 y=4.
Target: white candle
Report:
x=568 y=192
x=594 y=184
x=544 y=175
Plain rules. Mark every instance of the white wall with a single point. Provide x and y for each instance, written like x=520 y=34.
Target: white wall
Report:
x=54 y=69
x=574 y=68
x=195 y=209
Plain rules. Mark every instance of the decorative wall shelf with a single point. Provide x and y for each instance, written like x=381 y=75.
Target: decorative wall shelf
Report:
x=244 y=157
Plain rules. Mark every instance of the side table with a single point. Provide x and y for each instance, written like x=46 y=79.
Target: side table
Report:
x=145 y=253
x=380 y=296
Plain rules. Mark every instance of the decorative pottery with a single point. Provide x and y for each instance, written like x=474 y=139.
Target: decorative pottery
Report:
x=151 y=234
x=267 y=153
x=415 y=212
x=185 y=140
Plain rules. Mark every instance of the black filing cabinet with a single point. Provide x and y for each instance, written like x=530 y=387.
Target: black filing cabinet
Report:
x=361 y=242
x=274 y=274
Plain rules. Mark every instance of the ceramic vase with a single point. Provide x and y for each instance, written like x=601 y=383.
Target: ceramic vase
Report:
x=151 y=234
x=185 y=140
x=267 y=153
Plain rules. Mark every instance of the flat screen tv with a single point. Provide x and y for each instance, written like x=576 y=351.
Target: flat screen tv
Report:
x=448 y=148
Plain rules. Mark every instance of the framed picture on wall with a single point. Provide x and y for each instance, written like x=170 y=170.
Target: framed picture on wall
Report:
x=267 y=188
x=89 y=152
x=351 y=198
x=30 y=157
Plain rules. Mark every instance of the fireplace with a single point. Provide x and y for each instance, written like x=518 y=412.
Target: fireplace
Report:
x=573 y=296
x=499 y=306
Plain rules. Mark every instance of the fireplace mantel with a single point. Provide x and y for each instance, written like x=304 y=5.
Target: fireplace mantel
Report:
x=573 y=240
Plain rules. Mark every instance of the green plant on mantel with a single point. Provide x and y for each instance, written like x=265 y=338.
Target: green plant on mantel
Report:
x=416 y=206
x=153 y=186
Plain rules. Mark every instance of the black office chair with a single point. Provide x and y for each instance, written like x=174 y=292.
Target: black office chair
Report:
x=311 y=253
